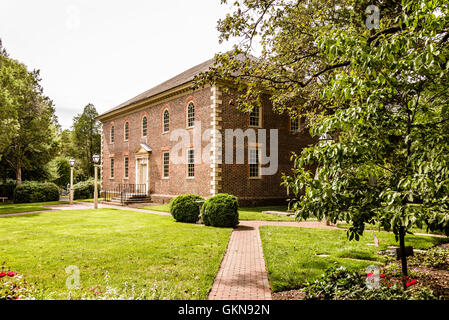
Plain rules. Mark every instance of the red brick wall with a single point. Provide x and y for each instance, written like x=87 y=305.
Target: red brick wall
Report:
x=236 y=177
x=177 y=183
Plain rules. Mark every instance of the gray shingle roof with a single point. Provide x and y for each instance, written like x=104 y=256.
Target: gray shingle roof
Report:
x=176 y=81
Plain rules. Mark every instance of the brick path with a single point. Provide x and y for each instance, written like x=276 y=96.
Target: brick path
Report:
x=79 y=205
x=242 y=274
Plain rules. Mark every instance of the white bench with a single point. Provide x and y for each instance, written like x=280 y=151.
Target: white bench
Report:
x=3 y=198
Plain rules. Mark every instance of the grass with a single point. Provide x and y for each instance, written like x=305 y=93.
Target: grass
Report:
x=245 y=213
x=375 y=227
x=291 y=253
x=8 y=208
x=176 y=260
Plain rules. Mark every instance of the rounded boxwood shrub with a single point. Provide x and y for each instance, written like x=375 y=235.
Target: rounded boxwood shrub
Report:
x=184 y=208
x=84 y=190
x=36 y=192
x=221 y=210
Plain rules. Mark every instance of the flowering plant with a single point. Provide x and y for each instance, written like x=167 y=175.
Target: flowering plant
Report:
x=13 y=286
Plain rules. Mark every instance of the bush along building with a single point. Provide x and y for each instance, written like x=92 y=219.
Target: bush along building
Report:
x=173 y=140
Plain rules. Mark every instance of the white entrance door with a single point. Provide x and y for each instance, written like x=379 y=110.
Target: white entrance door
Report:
x=142 y=173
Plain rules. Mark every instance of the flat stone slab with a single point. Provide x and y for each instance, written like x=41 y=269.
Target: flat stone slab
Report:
x=280 y=213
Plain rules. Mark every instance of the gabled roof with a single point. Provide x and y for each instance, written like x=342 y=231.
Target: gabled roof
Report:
x=145 y=147
x=174 y=82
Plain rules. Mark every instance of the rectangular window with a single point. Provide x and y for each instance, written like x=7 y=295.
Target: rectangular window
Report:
x=112 y=168
x=126 y=167
x=126 y=130
x=112 y=134
x=294 y=125
x=254 y=163
x=166 y=159
x=190 y=163
x=254 y=117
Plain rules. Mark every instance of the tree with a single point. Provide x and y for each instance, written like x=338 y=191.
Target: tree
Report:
x=63 y=172
x=31 y=140
x=381 y=93
x=86 y=137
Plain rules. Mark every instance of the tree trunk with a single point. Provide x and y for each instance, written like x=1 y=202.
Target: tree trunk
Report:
x=403 y=256
x=19 y=174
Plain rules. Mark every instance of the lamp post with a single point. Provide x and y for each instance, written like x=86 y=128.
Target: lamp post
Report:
x=96 y=159
x=72 y=163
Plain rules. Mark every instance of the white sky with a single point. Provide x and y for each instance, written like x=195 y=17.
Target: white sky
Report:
x=106 y=52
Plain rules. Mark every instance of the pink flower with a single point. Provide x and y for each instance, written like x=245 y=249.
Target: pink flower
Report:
x=382 y=275
x=11 y=274
x=369 y=275
x=2 y=274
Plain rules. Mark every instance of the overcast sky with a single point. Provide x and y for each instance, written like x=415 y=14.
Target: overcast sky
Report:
x=106 y=52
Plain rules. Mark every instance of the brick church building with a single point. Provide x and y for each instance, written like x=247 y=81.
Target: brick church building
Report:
x=136 y=144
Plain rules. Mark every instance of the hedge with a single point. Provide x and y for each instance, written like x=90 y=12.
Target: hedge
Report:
x=31 y=191
x=184 y=208
x=7 y=190
x=85 y=190
x=221 y=210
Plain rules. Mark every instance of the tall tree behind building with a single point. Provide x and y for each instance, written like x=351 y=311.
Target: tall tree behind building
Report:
x=86 y=137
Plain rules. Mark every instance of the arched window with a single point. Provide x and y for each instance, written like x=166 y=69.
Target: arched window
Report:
x=126 y=130
x=144 y=126
x=112 y=134
x=190 y=115
x=166 y=120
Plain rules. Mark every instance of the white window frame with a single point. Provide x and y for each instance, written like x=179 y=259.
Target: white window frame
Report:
x=259 y=118
x=187 y=114
x=164 y=164
x=259 y=166
x=190 y=163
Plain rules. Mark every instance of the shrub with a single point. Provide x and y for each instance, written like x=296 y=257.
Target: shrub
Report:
x=221 y=210
x=36 y=192
x=184 y=208
x=7 y=190
x=85 y=189
x=342 y=284
x=436 y=257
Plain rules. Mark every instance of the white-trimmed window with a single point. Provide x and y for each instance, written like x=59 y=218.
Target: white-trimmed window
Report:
x=144 y=126
x=254 y=163
x=190 y=163
x=190 y=114
x=254 y=117
x=126 y=161
x=112 y=132
x=126 y=131
x=112 y=169
x=294 y=125
x=166 y=121
x=166 y=164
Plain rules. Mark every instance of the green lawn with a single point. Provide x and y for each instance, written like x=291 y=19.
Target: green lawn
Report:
x=291 y=253
x=375 y=227
x=245 y=213
x=27 y=207
x=170 y=260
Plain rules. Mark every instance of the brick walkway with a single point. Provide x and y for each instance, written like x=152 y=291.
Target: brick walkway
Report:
x=242 y=274
x=79 y=205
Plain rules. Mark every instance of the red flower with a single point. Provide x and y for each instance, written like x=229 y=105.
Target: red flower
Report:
x=406 y=277
x=11 y=274
x=411 y=283
x=382 y=275
x=369 y=275
x=16 y=297
x=2 y=274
